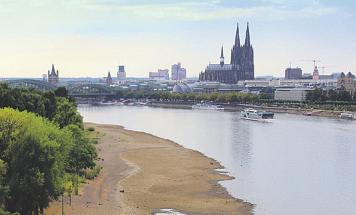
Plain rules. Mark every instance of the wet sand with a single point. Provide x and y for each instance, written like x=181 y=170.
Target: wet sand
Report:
x=142 y=173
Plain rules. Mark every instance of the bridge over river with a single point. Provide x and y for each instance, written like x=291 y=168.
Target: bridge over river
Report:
x=80 y=90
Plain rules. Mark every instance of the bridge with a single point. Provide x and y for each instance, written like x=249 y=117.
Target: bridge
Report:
x=87 y=90
x=90 y=90
x=31 y=83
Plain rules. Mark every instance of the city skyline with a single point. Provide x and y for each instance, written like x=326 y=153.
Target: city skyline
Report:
x=93 y=37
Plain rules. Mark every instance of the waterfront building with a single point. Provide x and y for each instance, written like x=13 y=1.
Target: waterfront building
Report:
x=347 y=82
x=121 y=74
x=292 y=83
x=109 y=79
x=178 y=72
x=53 y=76
x=181 y=88
x=293 y=73
x=291 y=94
x=161 y=74
x=241 y=65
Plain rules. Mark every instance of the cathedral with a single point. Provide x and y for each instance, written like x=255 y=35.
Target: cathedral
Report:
x=241 y=65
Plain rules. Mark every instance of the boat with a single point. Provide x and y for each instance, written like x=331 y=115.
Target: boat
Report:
x=309 y=113
x=348 y=115
x=255 y=115
x=107 y=103
x=206 y=106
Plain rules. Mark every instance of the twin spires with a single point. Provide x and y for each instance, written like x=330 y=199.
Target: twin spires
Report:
x=53 y=71
x=247 y=38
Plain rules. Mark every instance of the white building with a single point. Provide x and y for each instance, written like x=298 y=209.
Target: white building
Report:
x=301 y=83
x=291 y=94
x=161 y=74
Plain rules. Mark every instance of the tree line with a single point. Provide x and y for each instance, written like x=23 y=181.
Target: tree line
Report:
x=314 y=96
x=319 y=95
x=43 y=149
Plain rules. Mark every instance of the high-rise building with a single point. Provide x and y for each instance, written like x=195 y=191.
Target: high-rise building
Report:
x=178 y=72
x=53 y=76
x=121 y=74
x=293 y=73
x=241 y=65
x=161 y=74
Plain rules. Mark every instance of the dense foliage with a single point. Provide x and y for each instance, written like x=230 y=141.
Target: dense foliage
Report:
x=41 y=153
x=316 y=95
x=54 y=106
x=319 y=95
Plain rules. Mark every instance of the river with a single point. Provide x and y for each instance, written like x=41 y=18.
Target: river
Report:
x=294 y=165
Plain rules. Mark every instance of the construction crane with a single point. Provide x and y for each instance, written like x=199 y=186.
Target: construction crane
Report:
x=312 y=60
x=326 y=67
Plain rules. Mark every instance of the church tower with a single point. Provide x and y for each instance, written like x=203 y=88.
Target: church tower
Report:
x=247 y=61
x=236 y=49
x=222 y=56
x=53 y=76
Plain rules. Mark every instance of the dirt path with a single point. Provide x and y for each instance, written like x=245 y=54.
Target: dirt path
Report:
x=142 y=172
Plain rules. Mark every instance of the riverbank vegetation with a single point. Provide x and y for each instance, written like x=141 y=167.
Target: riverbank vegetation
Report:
x=315 y=99
x=44 y=150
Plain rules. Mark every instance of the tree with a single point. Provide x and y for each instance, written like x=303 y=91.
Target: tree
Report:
x=67 y=114
x=32 y=175
x=343 y=95
x=34 y=151
x=83 y=154
x=4 y=188
x=61 y=92
x=50 y=104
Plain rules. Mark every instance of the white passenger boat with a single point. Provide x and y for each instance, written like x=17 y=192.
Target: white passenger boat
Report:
x=108 y=103
x=255 y=115
x=348 y=115
x=205 y=106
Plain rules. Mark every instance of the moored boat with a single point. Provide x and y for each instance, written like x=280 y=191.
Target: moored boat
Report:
x=255 y=115
x=348 y=115
x=205 y=106
x=107 y=103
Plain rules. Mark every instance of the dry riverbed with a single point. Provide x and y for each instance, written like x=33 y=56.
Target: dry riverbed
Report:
x=142 y=173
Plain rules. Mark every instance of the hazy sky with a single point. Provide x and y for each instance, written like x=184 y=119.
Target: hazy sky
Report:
x=92 y=37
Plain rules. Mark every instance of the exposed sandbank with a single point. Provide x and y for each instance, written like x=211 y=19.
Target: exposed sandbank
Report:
x=142 y=173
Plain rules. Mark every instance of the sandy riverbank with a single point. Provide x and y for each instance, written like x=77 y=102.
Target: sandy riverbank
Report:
x=142 y=173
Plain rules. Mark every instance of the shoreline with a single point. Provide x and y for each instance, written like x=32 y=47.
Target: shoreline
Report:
x=143 y=173
x=239 y=107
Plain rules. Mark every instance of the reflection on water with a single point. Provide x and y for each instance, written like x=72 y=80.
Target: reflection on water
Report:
x=295 y=165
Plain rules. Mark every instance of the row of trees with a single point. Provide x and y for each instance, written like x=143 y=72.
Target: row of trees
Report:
x=319 y=95
x=41 y=153
x=215 y=97
x=316 y=95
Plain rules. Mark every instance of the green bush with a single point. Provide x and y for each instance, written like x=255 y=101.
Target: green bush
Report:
x=91 y=129
x=93 y=172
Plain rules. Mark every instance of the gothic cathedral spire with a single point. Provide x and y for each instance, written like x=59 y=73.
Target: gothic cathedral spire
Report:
x=222 y=56
x=237 y=36
x=247 y=39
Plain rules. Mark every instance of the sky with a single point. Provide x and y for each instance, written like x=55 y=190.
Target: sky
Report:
x=85 y=38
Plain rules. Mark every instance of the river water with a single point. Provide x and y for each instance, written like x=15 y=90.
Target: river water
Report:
x=294 y=165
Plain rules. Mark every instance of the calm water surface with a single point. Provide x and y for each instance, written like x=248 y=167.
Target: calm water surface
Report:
x=295 y=165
